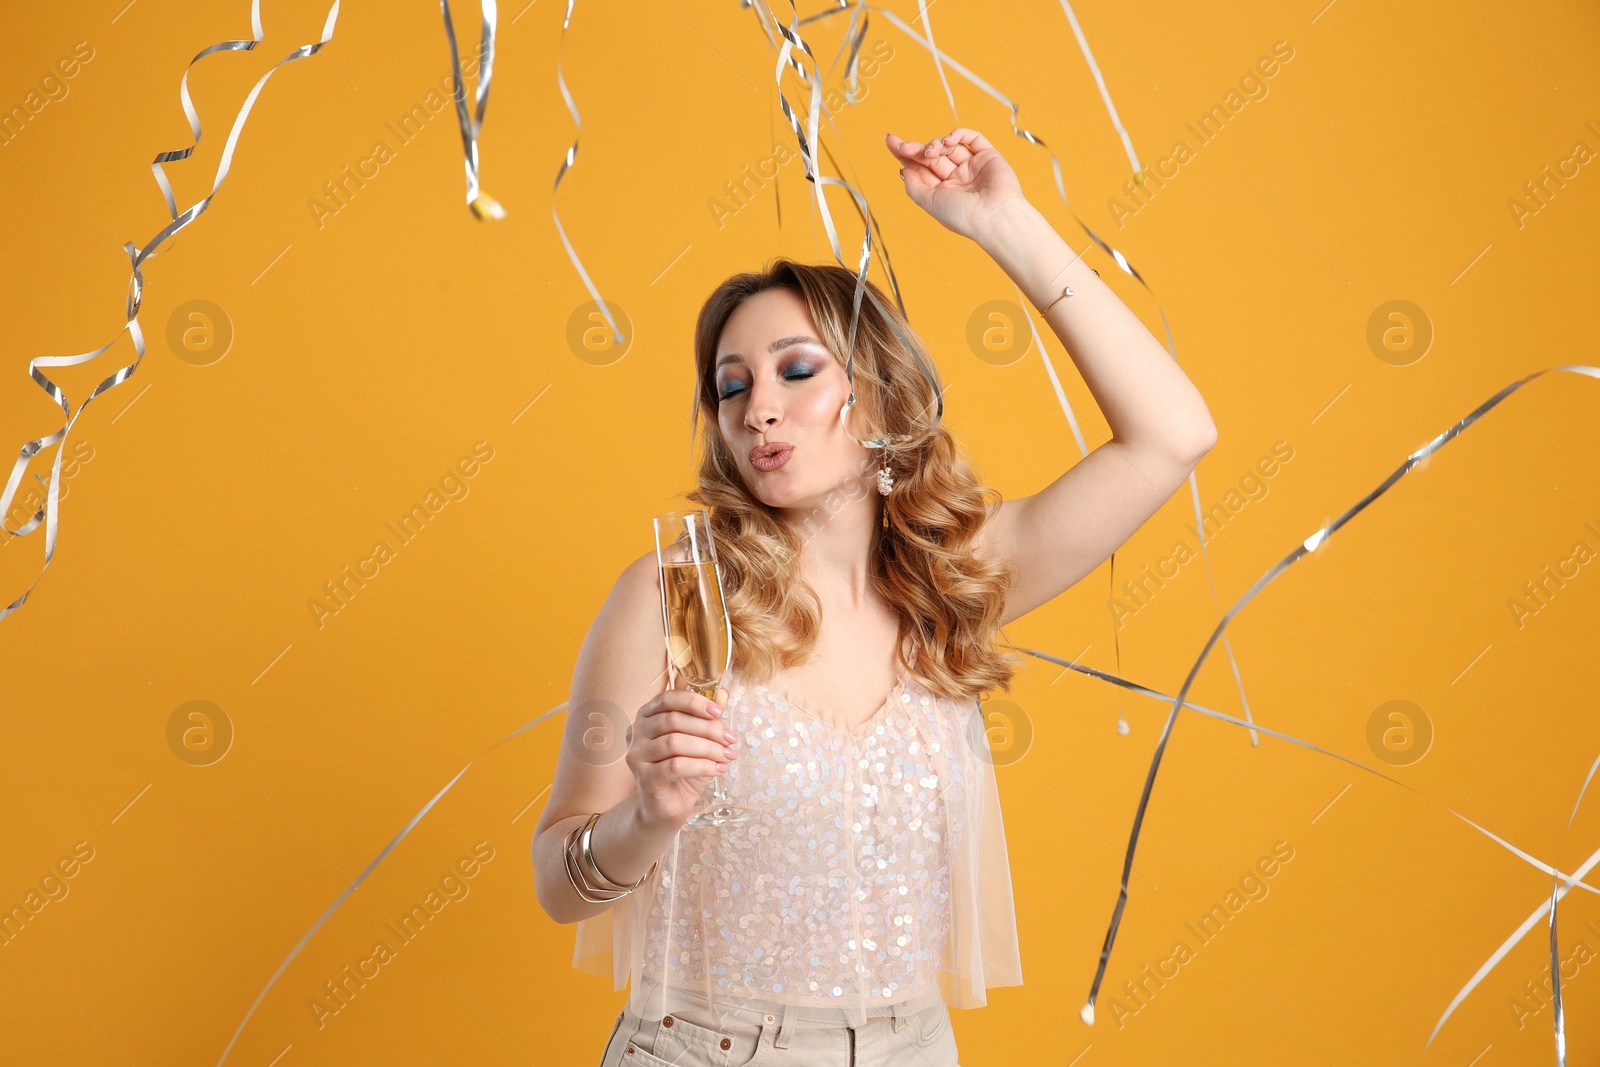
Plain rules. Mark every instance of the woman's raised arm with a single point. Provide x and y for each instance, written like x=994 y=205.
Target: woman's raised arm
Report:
x=1160 y=426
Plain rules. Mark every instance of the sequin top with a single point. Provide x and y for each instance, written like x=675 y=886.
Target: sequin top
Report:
x=875 y=872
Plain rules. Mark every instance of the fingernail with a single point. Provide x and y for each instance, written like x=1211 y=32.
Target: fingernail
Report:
x=727 y=735
x=729 y=752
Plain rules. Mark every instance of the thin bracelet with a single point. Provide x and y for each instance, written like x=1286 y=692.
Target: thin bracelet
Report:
x=584 y=839
x=575 y=874
x=1066 y=291
x=577 y=857
x=590 y=870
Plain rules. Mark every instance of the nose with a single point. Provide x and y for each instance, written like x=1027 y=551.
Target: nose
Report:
x=762 y=412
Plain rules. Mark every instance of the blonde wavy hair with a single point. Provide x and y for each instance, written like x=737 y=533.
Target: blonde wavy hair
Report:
x=947 y=600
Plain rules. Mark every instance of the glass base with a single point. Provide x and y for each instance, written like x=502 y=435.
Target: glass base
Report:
x=721 y=813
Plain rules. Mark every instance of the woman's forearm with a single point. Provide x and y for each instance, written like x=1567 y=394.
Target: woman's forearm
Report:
x=624 y=847
x=1145 y=396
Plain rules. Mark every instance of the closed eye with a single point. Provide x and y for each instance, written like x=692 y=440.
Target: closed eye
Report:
x=797 y=373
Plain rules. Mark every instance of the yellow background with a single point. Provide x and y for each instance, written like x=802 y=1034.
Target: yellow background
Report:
x=372 y=351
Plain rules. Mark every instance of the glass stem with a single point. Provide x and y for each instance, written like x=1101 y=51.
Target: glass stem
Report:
x=718 y=786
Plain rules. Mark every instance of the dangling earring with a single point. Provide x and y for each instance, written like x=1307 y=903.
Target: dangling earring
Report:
x=885 y=484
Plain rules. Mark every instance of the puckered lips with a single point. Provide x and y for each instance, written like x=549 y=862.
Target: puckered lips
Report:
x=770 y=456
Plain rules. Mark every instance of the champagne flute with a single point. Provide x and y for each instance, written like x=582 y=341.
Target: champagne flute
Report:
x=699 y=634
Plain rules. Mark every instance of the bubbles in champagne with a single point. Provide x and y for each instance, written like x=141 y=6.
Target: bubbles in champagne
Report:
x=698 y=640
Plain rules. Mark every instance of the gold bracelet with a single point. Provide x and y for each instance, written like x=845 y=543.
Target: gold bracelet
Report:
x=585 y=837
x=580 y=866
x=1066 y=291
x=575 y=875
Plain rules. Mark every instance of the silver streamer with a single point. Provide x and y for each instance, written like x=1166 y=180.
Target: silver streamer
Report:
x=1570 y=880
x=1309 y=545
x=791 y=40
x=482 y=204
x=1105 y=94
x=362 y=877
x=853 y=38
x=48 y=514
x=1558 y=890
x=566 y=162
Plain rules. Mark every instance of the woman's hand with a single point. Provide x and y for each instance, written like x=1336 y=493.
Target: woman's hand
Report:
x=961 y=180
x=675 y=744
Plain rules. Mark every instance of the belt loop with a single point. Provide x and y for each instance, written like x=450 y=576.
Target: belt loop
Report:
x=898 y=1014
x=784 y=1027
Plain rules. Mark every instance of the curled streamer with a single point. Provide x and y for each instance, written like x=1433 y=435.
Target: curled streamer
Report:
x=791 y=40
x=178 y=154
x=853 y=38
x=567 y=160
x=482 y=204
x=48 y=514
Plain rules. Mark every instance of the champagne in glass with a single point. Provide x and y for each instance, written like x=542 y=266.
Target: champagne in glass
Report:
x=699 y=634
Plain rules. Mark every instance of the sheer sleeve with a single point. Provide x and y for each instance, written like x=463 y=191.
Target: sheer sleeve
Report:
x=608 y=944
x=982 y=950
x=595 y=951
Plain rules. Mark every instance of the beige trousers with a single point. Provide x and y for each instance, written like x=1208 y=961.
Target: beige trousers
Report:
x=698 y=1039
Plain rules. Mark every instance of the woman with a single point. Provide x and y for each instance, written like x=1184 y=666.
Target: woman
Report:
x=872 y=893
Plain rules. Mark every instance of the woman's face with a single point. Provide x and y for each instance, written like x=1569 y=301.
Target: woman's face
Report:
x=777 y=382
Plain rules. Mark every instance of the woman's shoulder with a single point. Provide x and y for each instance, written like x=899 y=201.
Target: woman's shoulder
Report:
x=637 y=590
x=641 y=571
x=632 y=607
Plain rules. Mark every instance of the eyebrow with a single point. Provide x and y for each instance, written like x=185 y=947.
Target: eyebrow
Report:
x=777 y=346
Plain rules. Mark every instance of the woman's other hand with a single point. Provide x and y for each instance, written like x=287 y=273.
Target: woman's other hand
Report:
x=960 y=179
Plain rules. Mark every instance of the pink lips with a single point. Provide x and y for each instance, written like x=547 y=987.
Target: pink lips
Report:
x=770 y=457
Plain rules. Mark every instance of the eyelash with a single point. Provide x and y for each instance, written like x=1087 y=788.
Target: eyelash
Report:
x=802 y=370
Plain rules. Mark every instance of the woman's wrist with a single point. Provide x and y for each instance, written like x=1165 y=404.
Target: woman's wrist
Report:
x=1008 y=225
x=625 y=843
x=1024 y=245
